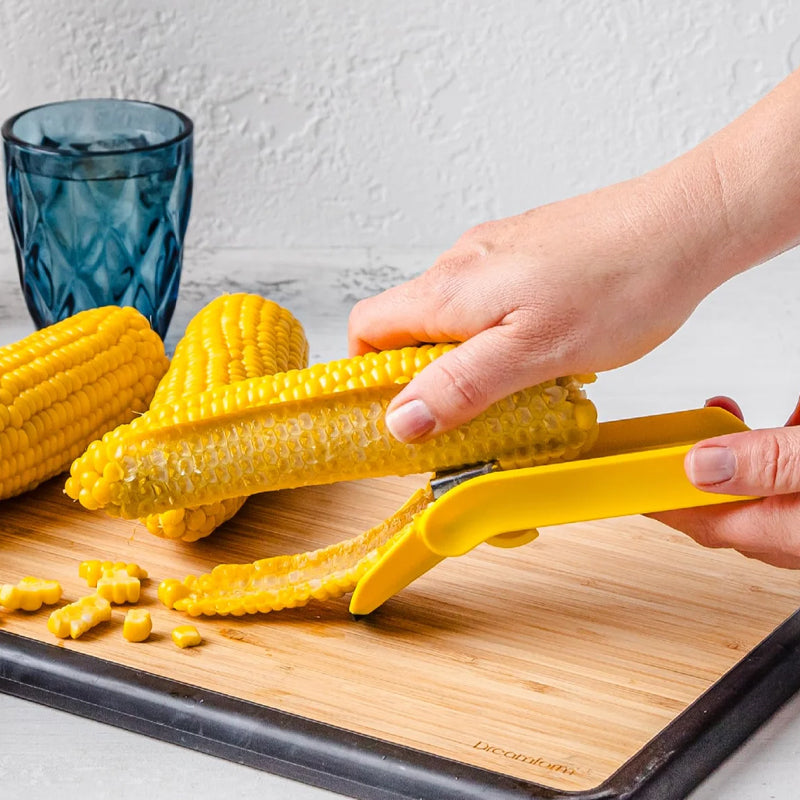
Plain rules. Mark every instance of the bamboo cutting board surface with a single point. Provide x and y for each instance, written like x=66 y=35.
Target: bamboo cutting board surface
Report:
x=553 y=663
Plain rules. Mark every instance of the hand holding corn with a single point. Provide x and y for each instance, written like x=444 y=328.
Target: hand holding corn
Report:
x=595 y=282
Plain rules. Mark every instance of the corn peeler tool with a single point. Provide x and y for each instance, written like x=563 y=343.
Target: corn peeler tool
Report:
x=635 y=467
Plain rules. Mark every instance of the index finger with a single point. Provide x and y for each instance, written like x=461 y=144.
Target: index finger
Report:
x=452 y=301
x=389 y=320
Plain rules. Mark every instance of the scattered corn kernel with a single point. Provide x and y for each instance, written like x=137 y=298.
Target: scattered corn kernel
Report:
x=91 y=571
x=137 y=625
x=172 y=590
x=119 y=587
x=78 y=617
x=186 y=636
x=30 y=594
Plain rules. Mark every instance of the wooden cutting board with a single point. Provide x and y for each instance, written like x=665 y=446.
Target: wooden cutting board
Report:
x=553 y=663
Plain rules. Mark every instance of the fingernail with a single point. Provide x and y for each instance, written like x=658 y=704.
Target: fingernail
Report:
x=710 y=465
x=410 y=421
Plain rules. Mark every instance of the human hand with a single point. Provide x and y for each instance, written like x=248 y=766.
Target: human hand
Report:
x=593 y=282
x=579 y=286
x=761 y=463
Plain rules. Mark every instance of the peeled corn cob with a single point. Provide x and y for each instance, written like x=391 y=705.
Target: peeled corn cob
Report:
x=66 y=385
x=235 y=337
x=318 y=425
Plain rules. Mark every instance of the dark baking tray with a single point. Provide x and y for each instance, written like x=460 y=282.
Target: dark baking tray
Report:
x=667 y=768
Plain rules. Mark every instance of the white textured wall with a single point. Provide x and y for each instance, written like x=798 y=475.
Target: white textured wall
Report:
x=383 y=123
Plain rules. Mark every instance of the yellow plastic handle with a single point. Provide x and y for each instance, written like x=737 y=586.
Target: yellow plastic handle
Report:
x=640 y=470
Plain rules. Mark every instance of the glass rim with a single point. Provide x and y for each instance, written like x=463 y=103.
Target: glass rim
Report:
x=6 y=131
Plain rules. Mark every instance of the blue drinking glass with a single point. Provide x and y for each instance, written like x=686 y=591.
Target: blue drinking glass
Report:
x=99 y=193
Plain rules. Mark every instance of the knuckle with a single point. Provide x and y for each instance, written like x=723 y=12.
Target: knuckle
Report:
x=358 y=311
x=555 y=339
x=697 y=524
x=779 y=462
x=465 y=391
x=453 y=263
x=357 y=320
x=703 y=532
x=480 y=231
x=440 y=287
x=479 y=241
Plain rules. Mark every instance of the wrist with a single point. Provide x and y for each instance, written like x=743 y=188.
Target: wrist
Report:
x=744 y=184
x=670 y=225
x=707 y=239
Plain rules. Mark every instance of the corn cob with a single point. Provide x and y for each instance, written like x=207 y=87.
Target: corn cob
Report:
x=234 y=337
x=272 y=584
x=251 y=437
x=66 y=385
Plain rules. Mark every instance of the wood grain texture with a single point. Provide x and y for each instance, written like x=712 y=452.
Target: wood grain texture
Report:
x=554 y=662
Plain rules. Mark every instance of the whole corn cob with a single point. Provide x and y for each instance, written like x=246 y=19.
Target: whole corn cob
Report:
x=66 y=385
x=318 y=425
x=234 y=337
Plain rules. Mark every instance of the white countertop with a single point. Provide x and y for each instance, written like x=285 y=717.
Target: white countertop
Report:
x=743 y=341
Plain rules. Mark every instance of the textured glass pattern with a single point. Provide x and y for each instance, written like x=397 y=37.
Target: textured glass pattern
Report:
x=99 y=194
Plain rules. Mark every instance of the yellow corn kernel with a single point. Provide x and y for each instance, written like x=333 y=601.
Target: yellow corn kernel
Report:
x=119 y=587
x=30 y=594
x=137 y=625
x=235 y=337
x=313 y=426
x=172 y=590
x=91 y=571
x=272 y=584
x=78 y=617
x=66 y=385
x=186 y=636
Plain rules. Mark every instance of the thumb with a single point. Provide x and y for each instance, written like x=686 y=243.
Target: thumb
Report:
x=758 y=463
x=459 y=385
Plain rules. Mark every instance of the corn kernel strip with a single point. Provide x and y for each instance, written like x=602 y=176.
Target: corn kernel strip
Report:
x=69 y=383
x=119 y=587
x=76 y=618
x=233 y=338
x=29 y=594
x=91 y=571
x=272 y=584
